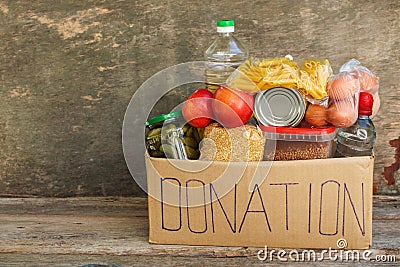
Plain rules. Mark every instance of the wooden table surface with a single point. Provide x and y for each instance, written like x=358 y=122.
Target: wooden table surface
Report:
x=113 y=232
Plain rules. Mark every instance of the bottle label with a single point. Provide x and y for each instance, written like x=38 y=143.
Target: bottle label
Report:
x=362 y=134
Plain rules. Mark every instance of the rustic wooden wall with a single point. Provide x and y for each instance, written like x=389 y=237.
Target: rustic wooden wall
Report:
x=69 y=68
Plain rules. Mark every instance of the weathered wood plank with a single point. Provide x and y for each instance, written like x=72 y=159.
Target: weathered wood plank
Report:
x=90 y=206
x=118 y=261
x=386 y=207
x=112 y=227
x=124 y=235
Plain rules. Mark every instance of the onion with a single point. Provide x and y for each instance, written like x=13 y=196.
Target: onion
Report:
x=317 y=116
x=368 y=82
x=342 y=113
x=343 y=86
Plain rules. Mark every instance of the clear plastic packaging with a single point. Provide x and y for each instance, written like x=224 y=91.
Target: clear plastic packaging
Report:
x=298 y=143
x=314 y=74
x=262 y=74
x=343 y=90
x=244 y=143
x=369 y=82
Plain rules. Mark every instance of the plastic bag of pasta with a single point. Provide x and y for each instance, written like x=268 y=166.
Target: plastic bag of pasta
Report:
x=262 y=74
x=314 y=75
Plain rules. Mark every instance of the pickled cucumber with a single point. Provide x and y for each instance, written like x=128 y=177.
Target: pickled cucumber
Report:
x=201 y=133
x=157 y=154
x=168 y=150
x=191 y=152
x=154 y=143
x=190 y=132
x=154 y=132
x=186 y=128
x=196 y=135
x=189 y=141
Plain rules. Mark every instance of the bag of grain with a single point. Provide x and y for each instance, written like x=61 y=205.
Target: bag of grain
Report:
x=244 y=143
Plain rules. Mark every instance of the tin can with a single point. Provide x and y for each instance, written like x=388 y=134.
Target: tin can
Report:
x=279 y=106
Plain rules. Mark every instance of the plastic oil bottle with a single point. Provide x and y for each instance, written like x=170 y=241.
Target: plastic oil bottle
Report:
x=224 y=55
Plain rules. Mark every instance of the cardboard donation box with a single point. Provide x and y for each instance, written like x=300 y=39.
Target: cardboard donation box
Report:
x=281 y=204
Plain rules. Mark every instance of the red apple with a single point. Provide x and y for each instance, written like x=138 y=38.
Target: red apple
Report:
x=232 y=108
x=197 y=109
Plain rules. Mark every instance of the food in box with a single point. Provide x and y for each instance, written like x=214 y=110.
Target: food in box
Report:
x=300 y=204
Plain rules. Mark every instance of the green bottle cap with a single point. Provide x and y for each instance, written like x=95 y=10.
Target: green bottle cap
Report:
x=225 y=23
x=225 y=26
x=164 y=117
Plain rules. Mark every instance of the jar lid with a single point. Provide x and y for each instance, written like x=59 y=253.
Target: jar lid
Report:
x=225 y=25
x=164 y=117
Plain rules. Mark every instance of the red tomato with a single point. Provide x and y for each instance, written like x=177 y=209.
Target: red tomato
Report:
x=197 y=109
x=232 y=108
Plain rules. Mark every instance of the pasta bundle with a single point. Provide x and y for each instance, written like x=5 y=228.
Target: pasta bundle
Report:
x=255 y=75
x=314 y=75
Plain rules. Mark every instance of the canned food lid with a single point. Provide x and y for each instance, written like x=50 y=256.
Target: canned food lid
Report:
x=279 y=106
x=164 y=117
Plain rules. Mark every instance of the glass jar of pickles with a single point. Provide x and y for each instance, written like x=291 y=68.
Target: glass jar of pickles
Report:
x=168 y=135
